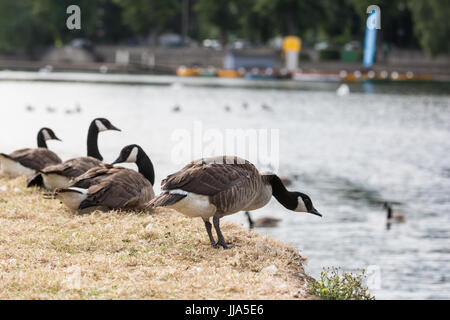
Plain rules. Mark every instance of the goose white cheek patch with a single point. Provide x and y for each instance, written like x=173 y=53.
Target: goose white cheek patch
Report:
x=301 y=205
x=100 y=125
x=133 y=155
x=46 y=135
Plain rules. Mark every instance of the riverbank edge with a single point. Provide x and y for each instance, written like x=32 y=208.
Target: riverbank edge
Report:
x=49 y=252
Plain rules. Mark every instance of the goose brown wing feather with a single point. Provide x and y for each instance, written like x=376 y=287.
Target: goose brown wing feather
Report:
x=74 y=167
x=231 y=185
x=207 y=177
x=119 y=188
x=94 y=176
x=36 y=159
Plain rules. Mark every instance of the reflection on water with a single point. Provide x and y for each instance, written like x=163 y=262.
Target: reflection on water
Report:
x=380 y=143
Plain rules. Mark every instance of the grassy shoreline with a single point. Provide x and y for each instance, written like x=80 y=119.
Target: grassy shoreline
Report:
x=48 y=252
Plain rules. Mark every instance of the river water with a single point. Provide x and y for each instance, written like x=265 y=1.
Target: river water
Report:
x=350 y=154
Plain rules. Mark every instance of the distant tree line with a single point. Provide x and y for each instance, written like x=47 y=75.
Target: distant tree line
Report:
x=29 y=24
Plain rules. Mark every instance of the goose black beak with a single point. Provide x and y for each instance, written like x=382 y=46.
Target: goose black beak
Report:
x=118 y=160
x=314 y=211
x=114 y=128
x=56 y=138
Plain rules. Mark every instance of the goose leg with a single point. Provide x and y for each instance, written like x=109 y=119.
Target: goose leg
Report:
x=208 y=227
x=221 y=239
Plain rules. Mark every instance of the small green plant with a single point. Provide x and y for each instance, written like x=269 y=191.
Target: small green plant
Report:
x=345 y=286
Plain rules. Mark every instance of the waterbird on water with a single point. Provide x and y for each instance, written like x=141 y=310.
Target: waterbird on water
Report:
x=266 y=107
x=50 y=109
x=393 y=217
x=263 y=222
x=219 y=186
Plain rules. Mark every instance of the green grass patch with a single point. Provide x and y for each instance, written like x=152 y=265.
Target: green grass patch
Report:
x=336 y=285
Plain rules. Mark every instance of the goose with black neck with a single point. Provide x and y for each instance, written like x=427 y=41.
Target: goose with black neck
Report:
x=29 y=161
x=60 y=176
x=219 y=186
x=110 y=187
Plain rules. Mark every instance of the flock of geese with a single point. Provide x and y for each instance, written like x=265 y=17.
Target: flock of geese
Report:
x=51 y=109
x=227 y=107
x=210 y=188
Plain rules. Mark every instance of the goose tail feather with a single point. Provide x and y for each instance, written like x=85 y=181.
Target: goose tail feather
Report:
x=35 y=180
x=165 y=199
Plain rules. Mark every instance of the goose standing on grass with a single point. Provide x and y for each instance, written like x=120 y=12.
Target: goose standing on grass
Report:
x=220 y=186
x=28 y=161
x=392 y=217
x=264 y=222
x=109 y=187
x=60 y=175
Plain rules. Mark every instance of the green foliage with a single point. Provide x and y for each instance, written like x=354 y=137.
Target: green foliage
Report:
x=432 y=24
x=146 y=16
x=329 y=54
x=17 y=31
x=335 y=286
x=218 y=18
x=27 y=24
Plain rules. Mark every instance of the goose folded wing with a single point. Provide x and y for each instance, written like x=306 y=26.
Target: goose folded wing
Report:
x=209 y=178
x=36 y=159
x=95 y=176
x=73 y=167
x=122 y=191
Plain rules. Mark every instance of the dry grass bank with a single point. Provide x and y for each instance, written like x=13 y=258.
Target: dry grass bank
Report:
x=48 y=252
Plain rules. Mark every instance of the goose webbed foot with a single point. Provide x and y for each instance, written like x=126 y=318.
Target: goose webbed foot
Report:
x=223 y=245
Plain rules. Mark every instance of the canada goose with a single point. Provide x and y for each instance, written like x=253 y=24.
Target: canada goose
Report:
x=393 y=217
x=176 y=108
x=59 y=175
x=227 y=108
x=264 y=222
x=28 y=161
x=50 y=109
x=112 y=187
x=266 y=107
x=220 y=186
x=245 y=105
x=29 y=108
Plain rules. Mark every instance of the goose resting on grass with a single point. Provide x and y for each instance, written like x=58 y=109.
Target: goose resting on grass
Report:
x=108 y=187
x=28 y=161
x=220 y=186
x=60 y=175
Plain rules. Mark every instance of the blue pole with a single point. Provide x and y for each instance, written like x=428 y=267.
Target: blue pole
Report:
x=370 y=39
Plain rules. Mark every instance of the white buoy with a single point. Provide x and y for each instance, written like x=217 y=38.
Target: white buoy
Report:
x=343 y=90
